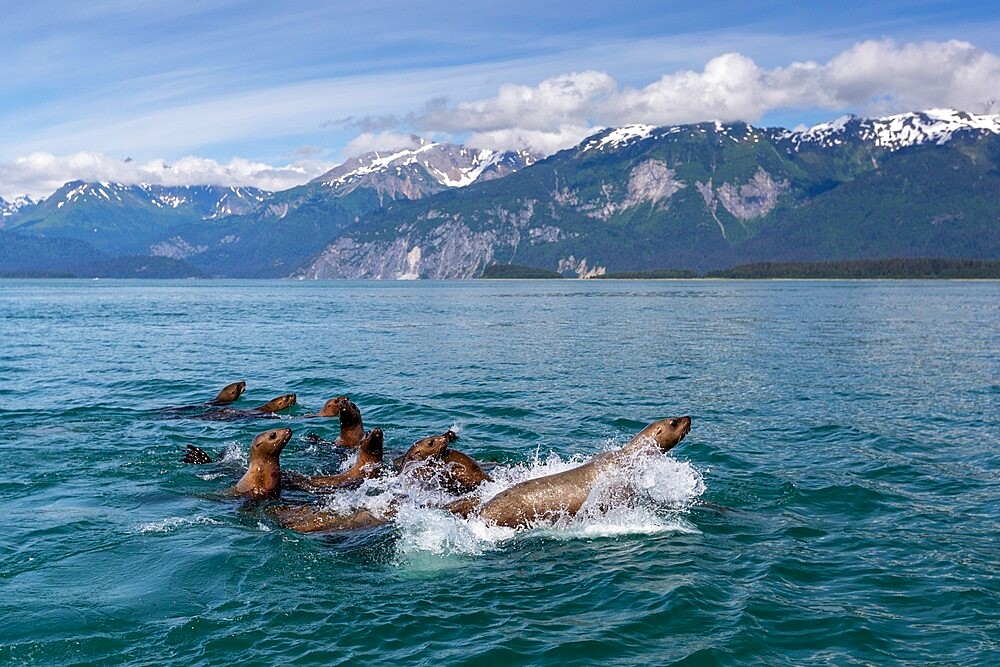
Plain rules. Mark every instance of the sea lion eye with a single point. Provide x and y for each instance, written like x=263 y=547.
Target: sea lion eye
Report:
x=673 y=422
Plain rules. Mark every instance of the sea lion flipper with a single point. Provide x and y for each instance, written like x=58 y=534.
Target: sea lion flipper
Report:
x=196 y=455
x=290 y=479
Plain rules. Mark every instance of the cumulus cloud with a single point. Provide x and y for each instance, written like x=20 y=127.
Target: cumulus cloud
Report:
x=40 y=174
x=367 y=142
x=870 y=77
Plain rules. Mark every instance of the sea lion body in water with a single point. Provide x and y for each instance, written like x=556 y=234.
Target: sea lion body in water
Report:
x=433 y=459
x=263 y=476
x=330 y=409
x=278 y=404
x=263 y=411
x=426 y=459
x=352 y=430
x=367 y=465
x=546 y=499
x=309 y=519
x=229 y=393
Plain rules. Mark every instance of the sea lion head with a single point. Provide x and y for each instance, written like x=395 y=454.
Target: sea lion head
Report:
x=370 y=450
x=278 y=404
x=230 y=393
x=263 y=476
x=664 y=433
x=348 y=411
x=330 y=409
x=433 y=447
x=268 y=445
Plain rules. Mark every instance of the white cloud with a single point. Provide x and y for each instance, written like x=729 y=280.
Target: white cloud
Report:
x=40 y=174
x=367 y=142
x=872 y=76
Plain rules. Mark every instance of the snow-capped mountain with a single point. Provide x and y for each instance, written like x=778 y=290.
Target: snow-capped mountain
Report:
x=936 y=126
x=699 y=196
x=124 y=218
x=209 y=201
x=932 y=126
x=414 y=172
x=10 y=208
x=703 y=196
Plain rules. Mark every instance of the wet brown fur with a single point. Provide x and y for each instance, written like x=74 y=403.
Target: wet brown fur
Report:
x=352 y=430
x=278 y=404
x=545 y=499
x=263 y=476
x=229 y=393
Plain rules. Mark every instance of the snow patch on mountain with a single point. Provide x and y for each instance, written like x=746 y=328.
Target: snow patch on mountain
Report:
x=618 y=137
x=436 y=164
x=937 y=126
x=11 y=207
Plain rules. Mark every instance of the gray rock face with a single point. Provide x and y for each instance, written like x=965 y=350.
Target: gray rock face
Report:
x=754 y=199
x=651 y=182
x=579 y=267
x=449 y=249
x=176 y=248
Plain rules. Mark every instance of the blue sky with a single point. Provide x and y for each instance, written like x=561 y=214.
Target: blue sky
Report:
x=273 y=93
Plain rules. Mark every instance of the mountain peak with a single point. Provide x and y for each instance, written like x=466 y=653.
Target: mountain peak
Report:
x=414 y=171
x=897 y=131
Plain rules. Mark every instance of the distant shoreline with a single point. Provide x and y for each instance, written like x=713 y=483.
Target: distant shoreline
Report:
x=871 y=269
x=860 y=269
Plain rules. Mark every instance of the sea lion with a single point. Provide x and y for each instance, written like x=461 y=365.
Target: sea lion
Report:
x=263 y=476
x=330 y=409
x=310 y=519
x=352 y=429
x=545 y=499
x=367 y=465
x=278 y=404
x=264 y=411
x=229 y=393
x=433 y=459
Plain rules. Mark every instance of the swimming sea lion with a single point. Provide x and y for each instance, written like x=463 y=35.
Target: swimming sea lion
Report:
x=367 y=465
x=278 y=404
x=310 y=519
x=229 y=393
x=545 y=499
x=352 y=431
x=433 y=458
x=263 y=476
x=330 y=409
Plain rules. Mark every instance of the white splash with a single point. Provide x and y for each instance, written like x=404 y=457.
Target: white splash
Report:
x=660 y=492
x=166 y=525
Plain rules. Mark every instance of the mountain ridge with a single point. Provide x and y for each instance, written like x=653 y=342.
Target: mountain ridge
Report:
x=698 y=196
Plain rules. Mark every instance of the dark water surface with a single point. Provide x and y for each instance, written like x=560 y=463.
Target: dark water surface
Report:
x=837 y=500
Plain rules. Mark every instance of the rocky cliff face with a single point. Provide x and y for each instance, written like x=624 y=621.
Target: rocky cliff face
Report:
x=441 y=246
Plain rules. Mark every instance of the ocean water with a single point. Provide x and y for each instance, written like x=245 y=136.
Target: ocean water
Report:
x=836 y=502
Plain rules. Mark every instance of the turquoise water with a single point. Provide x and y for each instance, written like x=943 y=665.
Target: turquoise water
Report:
x=836 y=502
